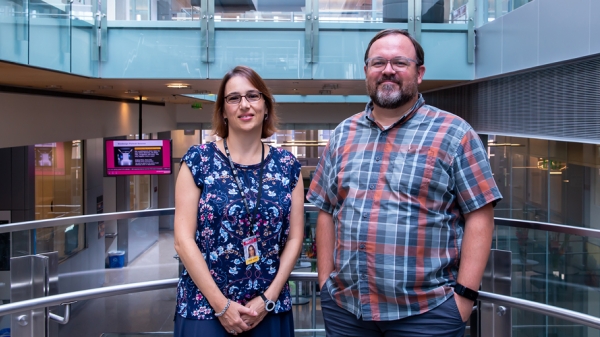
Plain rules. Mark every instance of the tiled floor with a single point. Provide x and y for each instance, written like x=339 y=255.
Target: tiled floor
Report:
x=148 y=311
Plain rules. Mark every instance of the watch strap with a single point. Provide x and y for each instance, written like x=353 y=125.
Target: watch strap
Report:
x=269 y=305
x=466 y=292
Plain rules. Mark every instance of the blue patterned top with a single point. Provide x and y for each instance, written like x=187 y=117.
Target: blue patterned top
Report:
x=223 y=224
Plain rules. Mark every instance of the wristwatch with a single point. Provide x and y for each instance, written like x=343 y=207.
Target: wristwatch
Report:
x=465 y=292
x=269 y=305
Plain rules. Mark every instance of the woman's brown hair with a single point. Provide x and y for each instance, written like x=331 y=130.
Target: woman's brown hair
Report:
x=269 y=125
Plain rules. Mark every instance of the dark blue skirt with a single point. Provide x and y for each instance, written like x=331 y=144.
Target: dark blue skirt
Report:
x=281 y=324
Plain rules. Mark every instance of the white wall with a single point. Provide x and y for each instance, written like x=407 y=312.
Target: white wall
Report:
x=31 y=119
x=304 y=113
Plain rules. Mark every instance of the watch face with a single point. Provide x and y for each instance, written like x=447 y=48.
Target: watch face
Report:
x=269 y=305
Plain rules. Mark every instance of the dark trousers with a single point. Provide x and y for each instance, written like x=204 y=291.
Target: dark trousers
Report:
x=281 y=324
x=443 y=321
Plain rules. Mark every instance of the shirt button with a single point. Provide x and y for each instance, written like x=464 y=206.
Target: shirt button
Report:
x=362 y=246
x=372 y=186
x=363 y=276
x=384 y=134
x=364 y=216
x=377 y=158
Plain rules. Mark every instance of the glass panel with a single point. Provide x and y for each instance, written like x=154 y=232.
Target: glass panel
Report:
x=13 y=31
x=499 y=155
x=140 y=186
x=556 y=269
x=83 y=45
x=272 y=54
x=362 y=11
x=50 y=35
x=153 y=10
x=153 y=311
x=260 y=11
x=58 y=193
x=151 y=53
x=139 y=192
x=458 y=10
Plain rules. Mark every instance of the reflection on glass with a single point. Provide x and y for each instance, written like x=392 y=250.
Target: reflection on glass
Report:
x=494 y=9
x=13 y=30
x=261 y=11
x=353 y=11
x=49 y=34
x=58 y=193
x=556 y=269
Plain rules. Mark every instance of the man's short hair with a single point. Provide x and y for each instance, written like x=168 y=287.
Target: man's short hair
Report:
x=418 y=49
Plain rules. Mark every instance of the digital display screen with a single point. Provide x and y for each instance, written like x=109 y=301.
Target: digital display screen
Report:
x=137 y=157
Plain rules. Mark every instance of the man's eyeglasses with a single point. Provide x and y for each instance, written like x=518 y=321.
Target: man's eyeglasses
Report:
x=251 y=97
x=399 y=63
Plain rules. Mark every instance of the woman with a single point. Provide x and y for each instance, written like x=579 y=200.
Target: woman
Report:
x=233 y=194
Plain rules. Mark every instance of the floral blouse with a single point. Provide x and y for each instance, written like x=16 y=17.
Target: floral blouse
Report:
x=223 y=224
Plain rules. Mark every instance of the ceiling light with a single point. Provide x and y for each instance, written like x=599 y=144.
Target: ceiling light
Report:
x=143 y=98
x=54 y=86
x=179 y=86
x=132 y=92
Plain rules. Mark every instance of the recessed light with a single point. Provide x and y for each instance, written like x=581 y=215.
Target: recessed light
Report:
x=132 y=92
x=54 y=86
x=143 y=98
x=179 y=86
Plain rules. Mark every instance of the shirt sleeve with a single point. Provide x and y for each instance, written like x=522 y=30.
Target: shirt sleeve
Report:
x=193 y=159
x=475 y=184
x=321 y=187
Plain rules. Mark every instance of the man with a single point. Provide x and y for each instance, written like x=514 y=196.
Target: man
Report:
x=405 y=192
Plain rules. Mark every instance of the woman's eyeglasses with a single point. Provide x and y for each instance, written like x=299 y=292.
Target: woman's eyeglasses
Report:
x=251 y=97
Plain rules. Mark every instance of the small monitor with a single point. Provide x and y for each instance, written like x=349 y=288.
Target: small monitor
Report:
x=137 y=157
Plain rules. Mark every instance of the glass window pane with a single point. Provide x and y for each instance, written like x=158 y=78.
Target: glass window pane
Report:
x=58 y=193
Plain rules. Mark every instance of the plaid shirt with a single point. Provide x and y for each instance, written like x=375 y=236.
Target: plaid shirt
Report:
x=397 y=197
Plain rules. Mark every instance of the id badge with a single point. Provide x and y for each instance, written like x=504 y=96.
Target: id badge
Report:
x=250 y=249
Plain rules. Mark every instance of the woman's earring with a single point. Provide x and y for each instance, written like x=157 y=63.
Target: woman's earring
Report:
x=266 y=116
x=225 y=120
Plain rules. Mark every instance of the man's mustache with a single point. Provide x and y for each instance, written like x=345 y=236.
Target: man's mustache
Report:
x=389 y=79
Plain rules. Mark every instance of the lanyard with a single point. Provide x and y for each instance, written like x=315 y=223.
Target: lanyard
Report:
x=239 y=185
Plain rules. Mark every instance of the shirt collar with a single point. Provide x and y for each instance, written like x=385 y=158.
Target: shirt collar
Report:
x=369 y=111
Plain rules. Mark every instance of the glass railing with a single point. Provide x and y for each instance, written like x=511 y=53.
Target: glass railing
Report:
x=551 y=264
x=557 y=268
x=493 y=9
x=182 y=39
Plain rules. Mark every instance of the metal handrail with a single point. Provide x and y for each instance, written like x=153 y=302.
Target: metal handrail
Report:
x=26 y=225
x=122 y=289
x=549 y=227
x=544 y=309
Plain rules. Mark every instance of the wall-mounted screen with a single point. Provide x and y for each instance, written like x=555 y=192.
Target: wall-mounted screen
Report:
x=137 y=157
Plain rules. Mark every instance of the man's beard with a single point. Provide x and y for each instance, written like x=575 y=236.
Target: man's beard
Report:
x=387 y=96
